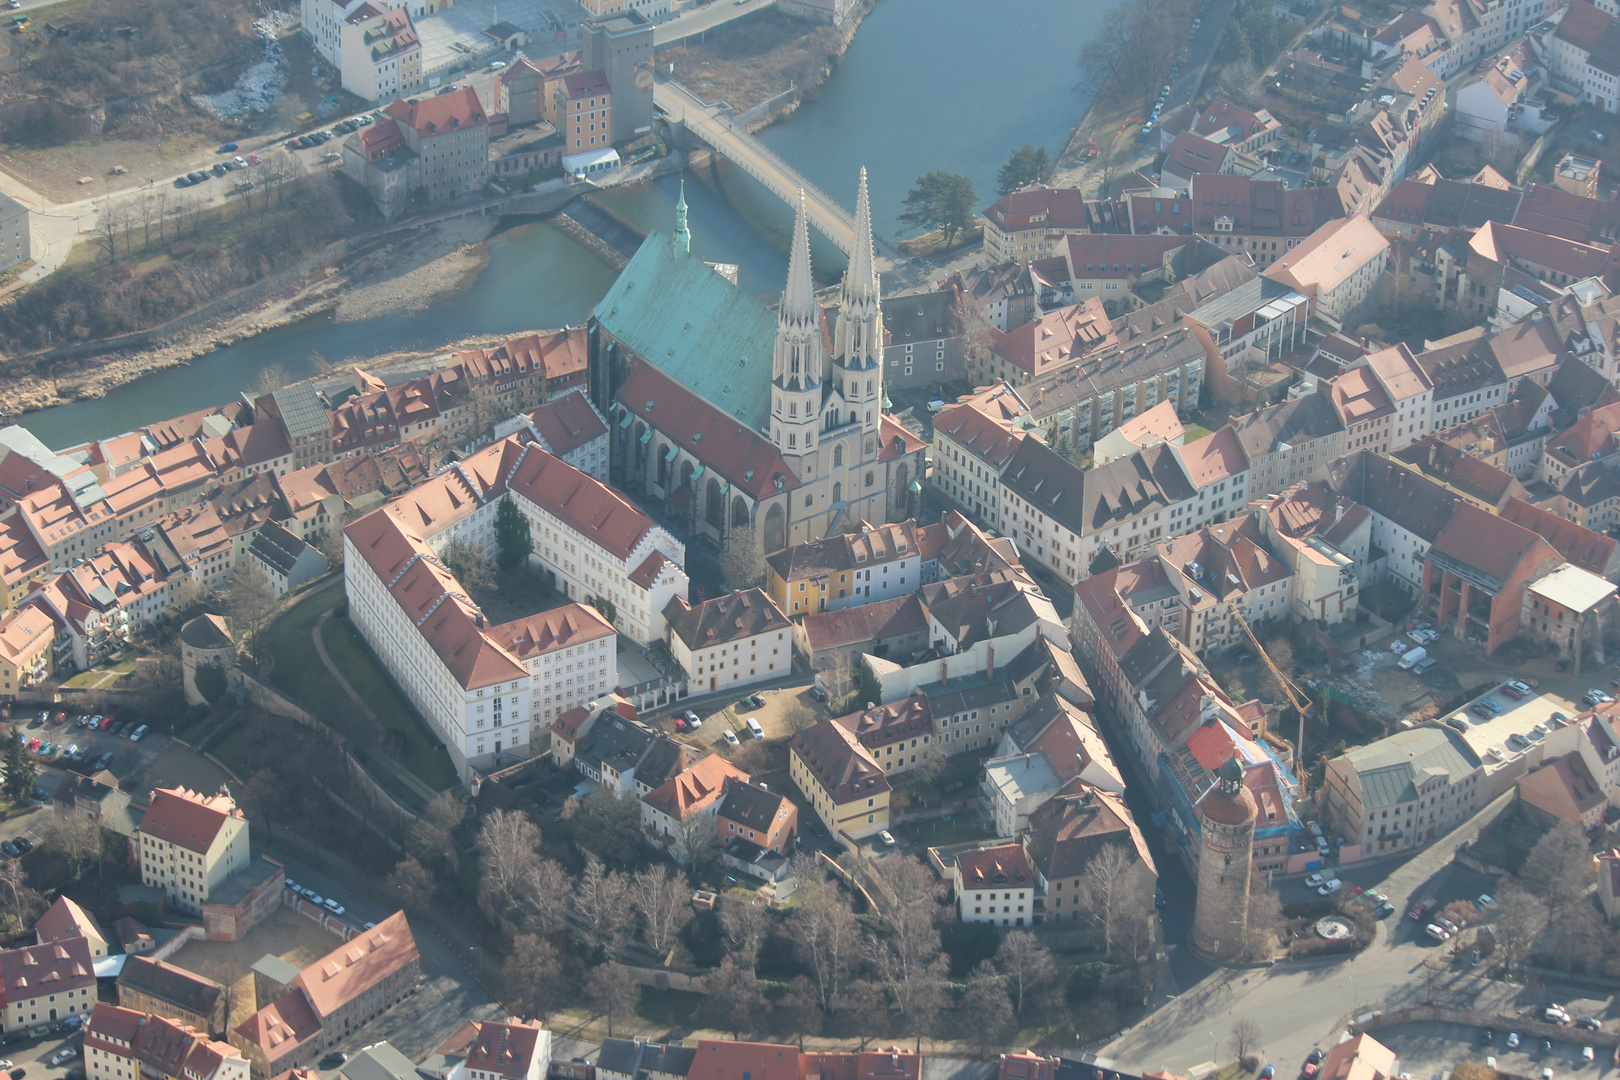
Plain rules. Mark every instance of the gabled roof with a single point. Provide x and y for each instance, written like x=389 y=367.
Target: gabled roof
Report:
x=1564 y=788
x=65 y=919
x=735 y=616
x=695 y=789
x=359 y=965
x=705 y=333
x=839 y=763
x=751 y=806
x=1484 y=548
x=992 y=867
x=1066 y=832
x=853 y=625
x=1591 y=551
x=1408 y=499
x=438 y=114
x=177 y=986
x=188 y=818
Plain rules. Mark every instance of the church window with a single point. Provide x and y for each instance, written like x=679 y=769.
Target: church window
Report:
x=838 y=457
x=838 y=493
x=868 y=387
x=853 y=416
x=809 y=500
x=793 y=441
x=793 y=409
x=868 y=478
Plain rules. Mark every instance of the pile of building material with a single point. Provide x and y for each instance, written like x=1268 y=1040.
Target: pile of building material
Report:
x=259 y=88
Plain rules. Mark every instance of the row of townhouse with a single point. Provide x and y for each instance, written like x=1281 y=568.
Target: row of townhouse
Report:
x=1581 y=55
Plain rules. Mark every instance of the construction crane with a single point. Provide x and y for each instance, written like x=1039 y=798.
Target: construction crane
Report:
x=1300 y=700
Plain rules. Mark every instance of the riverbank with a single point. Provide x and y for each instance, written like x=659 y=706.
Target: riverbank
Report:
x=406 y=273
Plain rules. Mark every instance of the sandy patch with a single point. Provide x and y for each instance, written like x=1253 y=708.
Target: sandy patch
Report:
x=410 y=274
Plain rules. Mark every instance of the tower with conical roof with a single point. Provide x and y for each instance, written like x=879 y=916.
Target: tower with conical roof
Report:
x=1225 y=852
x=683 y=235
x=800 y=360
x=858 y=332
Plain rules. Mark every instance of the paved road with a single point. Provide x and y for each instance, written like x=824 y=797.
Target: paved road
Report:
x=697 y=20
x=1302 y=1005
x=718 y=130
x=448 y=995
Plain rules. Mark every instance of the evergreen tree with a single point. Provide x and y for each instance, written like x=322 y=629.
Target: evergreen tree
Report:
x=1027 y=165
x=512 y=538
x=943 y=201
x=21 y=770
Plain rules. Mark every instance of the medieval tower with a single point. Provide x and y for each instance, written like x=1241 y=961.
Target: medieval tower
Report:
x=1226 y=814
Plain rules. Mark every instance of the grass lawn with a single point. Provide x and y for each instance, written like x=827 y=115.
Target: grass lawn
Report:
x=667 y=1008
x=300 y=674
x=100 y=678
x=1194 y=432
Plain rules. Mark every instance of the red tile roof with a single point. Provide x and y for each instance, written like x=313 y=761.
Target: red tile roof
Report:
x=505 y=1049
x=188 y=818
x=360 y=965
x=439 y=113
x=1005 y=864
x=547 y=631
x=281 y=1026
x=721 y=1060
x=52 y=968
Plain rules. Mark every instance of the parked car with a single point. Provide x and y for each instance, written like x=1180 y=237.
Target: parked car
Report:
x=1436 y=933
x=731 y=739
x=67 y=1053
x=10 y=849
x=1315 y=881
x=1485 y=900
x=24 y=844
x=680 y=723
x=1423 y=907
x=71 y=1023
x=1268 y=1072
x=1330 y=887
x=135 y=736
x=753 y=728
x=692 y=719
x=334 y=907
x=887 y=837
x=1587 y=1054
x=818 y=693
x=1383 y=911
x=1589 y=1024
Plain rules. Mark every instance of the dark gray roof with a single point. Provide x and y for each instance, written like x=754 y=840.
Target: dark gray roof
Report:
x=1576 y=385
x=1309 y=417
x=1089 y=501
x=1407 y=498
x=921 y=316
x=176 y=986
x=1146 y=657
x=615 y=741
x=1460 y=369
x=277 y=548
x=302 y=412
x=1467 y=205
x=960 y=695
x=751 y=806
x=1235 y=303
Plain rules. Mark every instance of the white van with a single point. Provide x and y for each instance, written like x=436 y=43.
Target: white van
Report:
x=753 y=728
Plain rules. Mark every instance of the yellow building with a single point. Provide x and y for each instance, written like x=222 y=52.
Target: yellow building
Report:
x=190 y=843
x=26 y=636
x=876 y=562
x=599 y=8
x=841 y=780
x=22 y=564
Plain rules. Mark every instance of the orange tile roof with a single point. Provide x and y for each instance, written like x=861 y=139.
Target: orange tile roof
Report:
x=1005 y=864
x=359 y=965
x=547 y=631
x=695 y=789
x=439 y=113
x=1217 y=456
x=65 y=919
x=281 y=1026
x=721 y=1060
x=1330 y=255
x=503 y=1048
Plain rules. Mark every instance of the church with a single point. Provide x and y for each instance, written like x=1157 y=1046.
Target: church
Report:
x=742 y=425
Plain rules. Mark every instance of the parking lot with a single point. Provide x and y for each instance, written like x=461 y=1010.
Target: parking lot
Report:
x=1426 y=1049
x=19 y=1051
x=115 y=743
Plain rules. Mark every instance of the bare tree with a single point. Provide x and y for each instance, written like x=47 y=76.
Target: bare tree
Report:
x=613 y=989
x=432 y=839
x=249 y=603
x=18 y=903
x=906 y=955
x=77 y=838
x=414 y=884
x=1561 y=866
x=1245 y=1038
x=1521 y=916
x=986 y=1009
x=799 y=1010
x=160 y=213
x=824 y=932
x=1113 y=892
x=547 y=894
x=271 y=377
x=1028 y=966
x=509 y=843
x=837 y=678
x=745 y=924
x=601 y=899
x=664 y=901
x=470 y=563
x=534 y=975
x=146 y=208
x=108 y=224
x=694 y=841
x=1264 y=930
x=732 y=998
x=797 y=716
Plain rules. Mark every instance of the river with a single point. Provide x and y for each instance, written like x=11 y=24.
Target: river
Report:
x=927 y=84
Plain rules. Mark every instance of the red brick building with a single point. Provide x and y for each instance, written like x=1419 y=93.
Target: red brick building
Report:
x=1476 y=573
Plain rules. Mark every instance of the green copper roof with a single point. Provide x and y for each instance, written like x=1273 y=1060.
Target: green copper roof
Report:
x=695 y=326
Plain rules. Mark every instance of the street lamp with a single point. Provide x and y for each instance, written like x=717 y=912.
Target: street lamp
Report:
x=480 y=951
x=1214 y=1048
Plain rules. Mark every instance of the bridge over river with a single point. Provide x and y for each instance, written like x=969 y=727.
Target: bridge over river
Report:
x=713 y=125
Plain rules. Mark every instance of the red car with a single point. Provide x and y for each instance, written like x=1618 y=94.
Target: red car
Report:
x=680 y=723
x=33 y=744
x=107 y=722
x=1423 y=907
x=61 y=717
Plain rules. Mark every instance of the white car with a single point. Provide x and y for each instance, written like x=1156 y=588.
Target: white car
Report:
x=731 y=739
x=334 y=907
x=1330 y=887
x=1588 y=1054
x=1436 y=933
x=887 y=837
x=496 y=65
x=1314 y=881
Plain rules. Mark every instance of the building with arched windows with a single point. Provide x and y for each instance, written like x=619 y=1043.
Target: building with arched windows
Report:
x=745 y=424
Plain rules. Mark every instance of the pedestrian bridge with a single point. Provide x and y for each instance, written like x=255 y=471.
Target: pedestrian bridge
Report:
x=714 y=125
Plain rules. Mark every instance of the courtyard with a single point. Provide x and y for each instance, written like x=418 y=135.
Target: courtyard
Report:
x=286 y=934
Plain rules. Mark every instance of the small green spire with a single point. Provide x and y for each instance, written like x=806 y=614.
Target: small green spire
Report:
x=683 y=235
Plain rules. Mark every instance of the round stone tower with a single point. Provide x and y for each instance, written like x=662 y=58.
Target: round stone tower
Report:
x=1226 y=813
x=204 y=640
